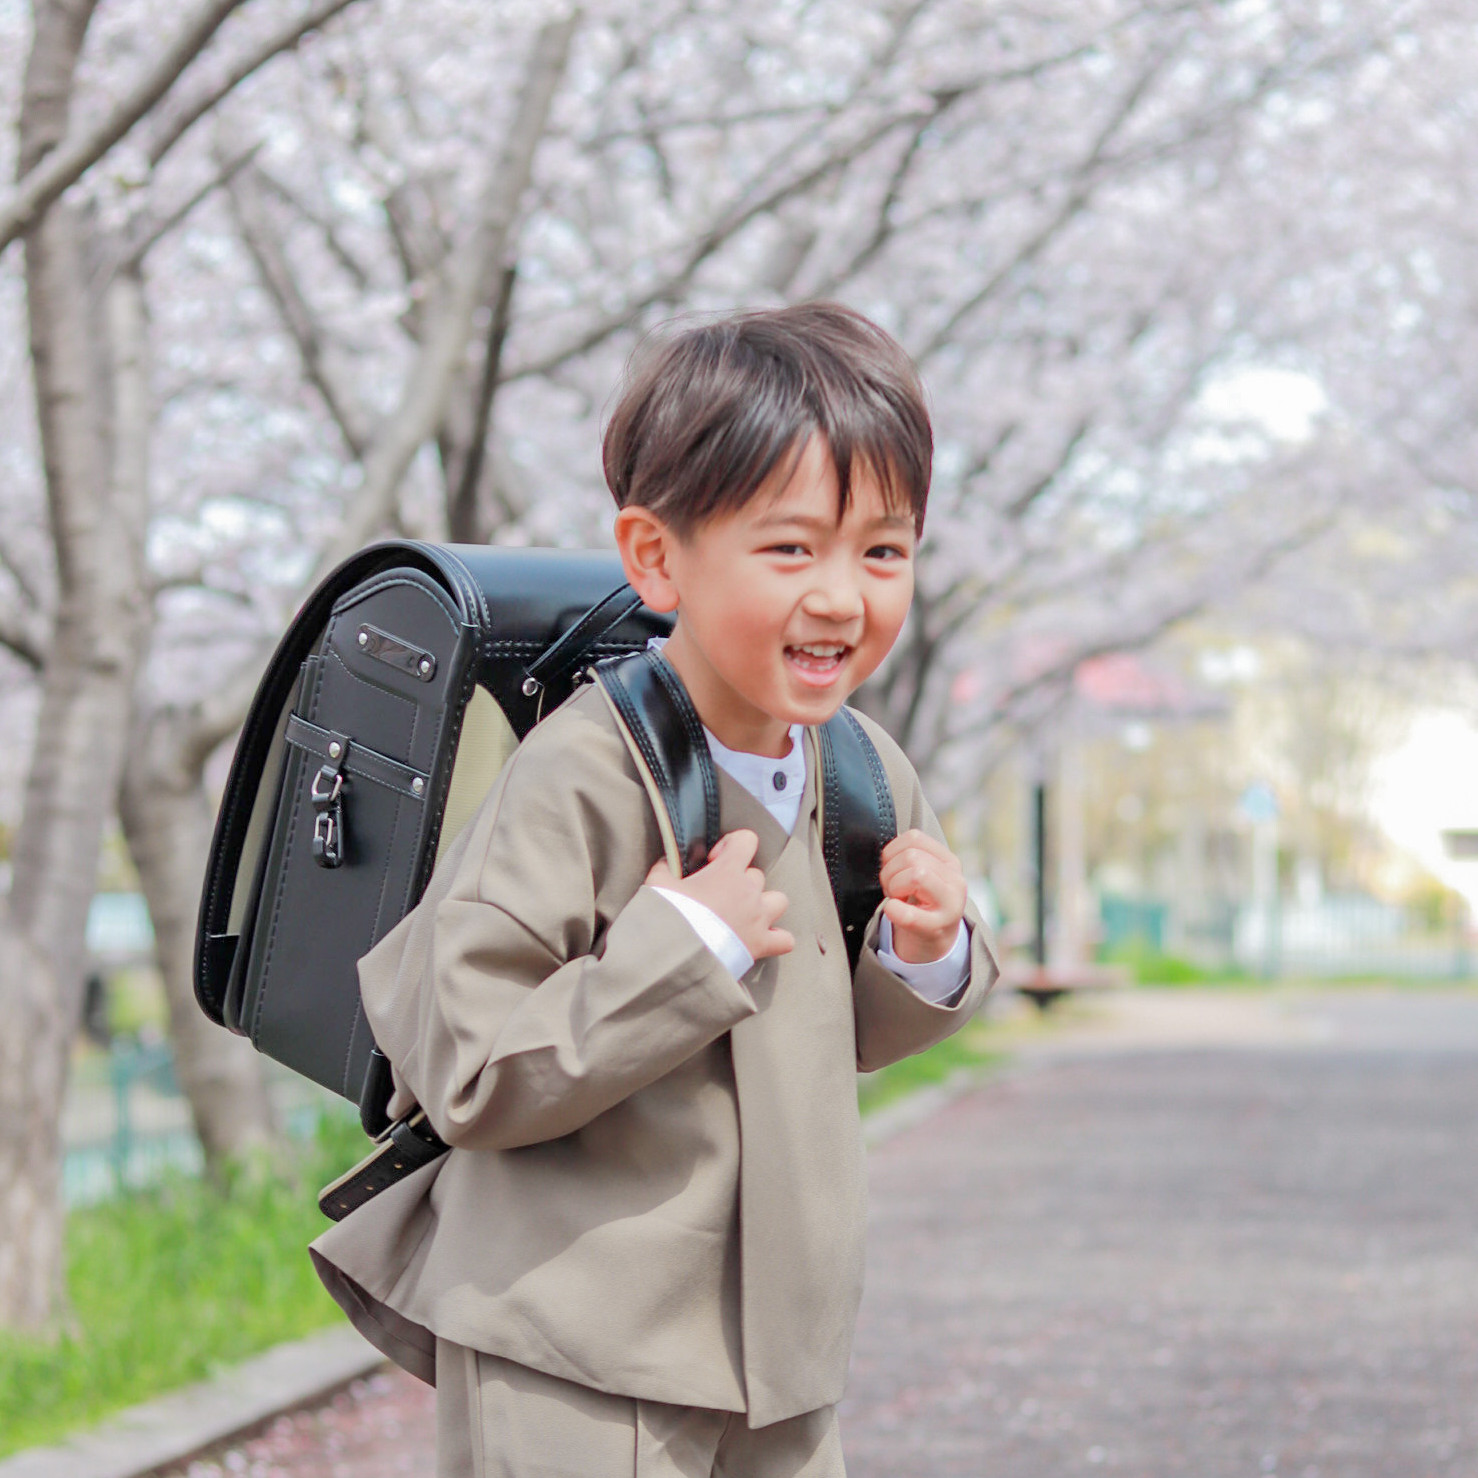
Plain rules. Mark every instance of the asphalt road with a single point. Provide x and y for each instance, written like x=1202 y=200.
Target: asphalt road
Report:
x=1187 y=1262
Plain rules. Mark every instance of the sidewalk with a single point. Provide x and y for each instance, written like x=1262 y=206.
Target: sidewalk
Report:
x=1248 y=1253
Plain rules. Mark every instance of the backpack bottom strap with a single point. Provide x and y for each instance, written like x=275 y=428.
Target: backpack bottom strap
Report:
x=406 y=1146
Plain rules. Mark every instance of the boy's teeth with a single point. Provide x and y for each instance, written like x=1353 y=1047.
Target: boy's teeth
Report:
x=818 y=656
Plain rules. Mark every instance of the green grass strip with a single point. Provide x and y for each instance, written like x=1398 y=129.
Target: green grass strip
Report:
x=169 y=1285
x=966 y=1050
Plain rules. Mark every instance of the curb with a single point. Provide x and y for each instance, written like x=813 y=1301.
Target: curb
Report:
x=172 y=1428
x=912 y=1110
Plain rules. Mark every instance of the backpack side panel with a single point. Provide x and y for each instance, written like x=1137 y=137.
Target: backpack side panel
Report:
x=253 y=785
x=300 y=998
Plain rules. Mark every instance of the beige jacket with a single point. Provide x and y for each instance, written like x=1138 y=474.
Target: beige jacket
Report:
x=656 y=1182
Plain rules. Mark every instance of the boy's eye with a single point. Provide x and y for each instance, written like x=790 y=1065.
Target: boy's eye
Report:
x=791 y=550
x=887 y=551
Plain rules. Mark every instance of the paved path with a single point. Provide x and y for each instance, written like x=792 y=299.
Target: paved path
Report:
x=1154 y=1256
x=1199 y=1265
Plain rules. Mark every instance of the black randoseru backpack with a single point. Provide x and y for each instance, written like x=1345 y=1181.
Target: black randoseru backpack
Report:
x=398 y=693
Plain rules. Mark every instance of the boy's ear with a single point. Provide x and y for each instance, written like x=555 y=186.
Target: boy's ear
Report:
x=645 y=544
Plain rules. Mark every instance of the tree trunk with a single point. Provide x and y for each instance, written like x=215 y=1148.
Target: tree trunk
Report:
x=89 y=340
x=470 y=277
x=97 y=512
x=98 y=529
x=165 y=813
x=167 y=820
x=463 y=440
x=33 y=1056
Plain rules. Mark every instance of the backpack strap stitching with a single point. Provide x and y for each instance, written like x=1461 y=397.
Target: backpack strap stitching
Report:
x=662 y=722
x=693 y=728
x=886 y=810
x=858 y=820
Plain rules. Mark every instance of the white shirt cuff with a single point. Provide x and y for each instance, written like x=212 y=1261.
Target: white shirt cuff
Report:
x=935 y=980
x=712 y=930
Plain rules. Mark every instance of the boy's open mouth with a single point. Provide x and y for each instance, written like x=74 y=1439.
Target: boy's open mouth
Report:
x=817 y=662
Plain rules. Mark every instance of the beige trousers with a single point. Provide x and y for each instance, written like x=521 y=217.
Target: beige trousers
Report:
x=495 y=1419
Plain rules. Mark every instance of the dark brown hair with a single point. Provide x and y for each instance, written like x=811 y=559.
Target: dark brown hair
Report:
x=706 y=413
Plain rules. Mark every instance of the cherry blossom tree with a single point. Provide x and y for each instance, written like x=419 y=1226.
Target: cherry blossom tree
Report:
x=279 y=305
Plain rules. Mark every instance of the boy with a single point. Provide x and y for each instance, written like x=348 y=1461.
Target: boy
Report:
x=643 y=1255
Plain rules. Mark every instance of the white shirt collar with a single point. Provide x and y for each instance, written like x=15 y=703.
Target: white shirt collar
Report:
x=757 y=772
x=777 y=784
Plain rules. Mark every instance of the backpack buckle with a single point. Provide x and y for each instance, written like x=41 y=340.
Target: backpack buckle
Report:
x=327 y=787
x=327 y=794
x=328 y=836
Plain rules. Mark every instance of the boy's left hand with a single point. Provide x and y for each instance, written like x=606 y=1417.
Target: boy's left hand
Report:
x=924 y=896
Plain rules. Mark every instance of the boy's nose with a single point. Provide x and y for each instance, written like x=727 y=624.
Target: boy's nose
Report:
x=834 y=599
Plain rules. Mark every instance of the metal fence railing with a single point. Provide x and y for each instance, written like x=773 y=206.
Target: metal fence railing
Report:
x=127 y=1125
x=1337 y=936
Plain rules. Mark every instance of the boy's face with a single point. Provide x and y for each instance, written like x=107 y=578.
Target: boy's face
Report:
x=782 y=610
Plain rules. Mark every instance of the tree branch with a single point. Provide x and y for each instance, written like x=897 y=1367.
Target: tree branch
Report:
x=21 y=635
x=174 y=128
x=464 y=523
x=146 y=231
x=885 y=221
x=65 y=164
x=1084 y=178
x=320 y=223
x=293 y=309
x=423 y=400
x=16 y=568
x=217 y=717
x=729 y=223
x=1019 y=505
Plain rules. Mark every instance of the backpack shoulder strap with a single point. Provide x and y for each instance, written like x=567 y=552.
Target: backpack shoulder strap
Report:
x=665 y=736
x=858 y=820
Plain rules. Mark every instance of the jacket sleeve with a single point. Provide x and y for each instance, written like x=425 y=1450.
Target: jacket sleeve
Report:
x=538 y=984
x=892 y=1020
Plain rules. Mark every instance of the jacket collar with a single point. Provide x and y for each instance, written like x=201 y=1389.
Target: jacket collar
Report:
x=738 y=808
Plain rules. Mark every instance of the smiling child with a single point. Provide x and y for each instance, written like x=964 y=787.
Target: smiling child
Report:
x=643 y=1255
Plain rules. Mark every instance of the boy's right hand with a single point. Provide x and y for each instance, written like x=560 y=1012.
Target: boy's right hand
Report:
x=735 y=891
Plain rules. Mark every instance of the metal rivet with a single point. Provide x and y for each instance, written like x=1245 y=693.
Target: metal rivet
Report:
x=364 y=638
x=530 y=686
x=417 y=785
x=335 y=749
x=426 y=666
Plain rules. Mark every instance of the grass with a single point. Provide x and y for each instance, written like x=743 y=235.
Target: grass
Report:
x=967 y=1050
x=1148 y=966
x=169 y=1285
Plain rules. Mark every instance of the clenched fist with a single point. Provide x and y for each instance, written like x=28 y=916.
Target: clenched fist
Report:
x=924 y=896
